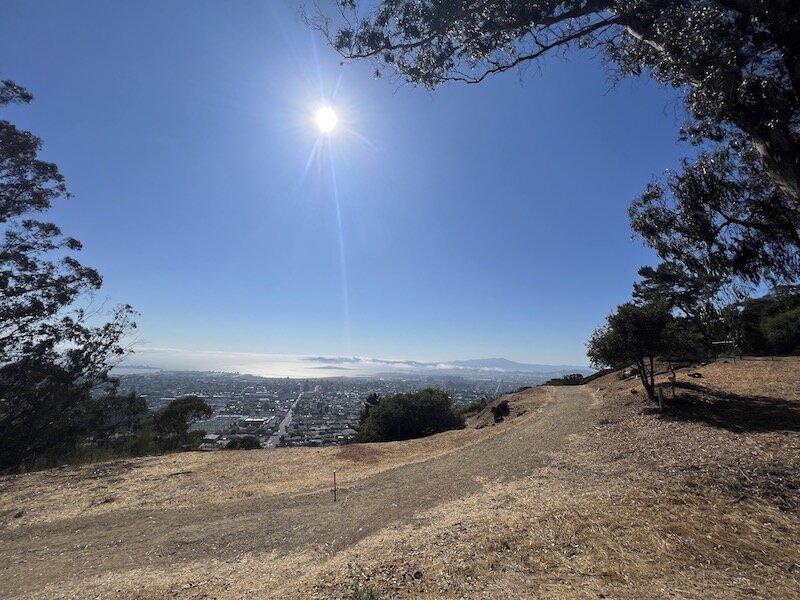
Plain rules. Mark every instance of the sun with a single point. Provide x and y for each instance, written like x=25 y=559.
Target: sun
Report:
x=326 y=119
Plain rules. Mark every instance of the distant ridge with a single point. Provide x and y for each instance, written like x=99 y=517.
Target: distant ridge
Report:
x=503 y=364
x=154 y=360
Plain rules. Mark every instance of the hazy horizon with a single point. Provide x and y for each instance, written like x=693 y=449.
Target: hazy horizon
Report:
x=305 y=366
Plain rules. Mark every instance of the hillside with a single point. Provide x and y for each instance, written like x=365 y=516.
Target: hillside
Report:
x=587 y=492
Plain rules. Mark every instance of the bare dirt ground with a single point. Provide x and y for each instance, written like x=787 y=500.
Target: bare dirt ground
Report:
x=587 y=492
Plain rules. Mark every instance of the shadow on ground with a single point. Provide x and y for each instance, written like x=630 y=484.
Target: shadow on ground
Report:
x=730 y=411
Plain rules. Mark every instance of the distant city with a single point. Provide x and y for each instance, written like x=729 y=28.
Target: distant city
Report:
x=282 y=412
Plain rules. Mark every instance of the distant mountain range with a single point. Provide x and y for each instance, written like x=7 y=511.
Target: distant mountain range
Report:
x=274 y=365
x=503 y=364
x=458 y=367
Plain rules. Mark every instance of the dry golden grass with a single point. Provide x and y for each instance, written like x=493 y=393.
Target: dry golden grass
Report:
x=591 y=493
x=186 y=480
x=555 y=535
x=563 y=538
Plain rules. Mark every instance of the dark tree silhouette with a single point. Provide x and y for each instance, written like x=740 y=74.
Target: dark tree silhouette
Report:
x=632 y=335
x=696 y=296
x=52 y=359
x=172 y=424
x=407 y=416
x=722 y=218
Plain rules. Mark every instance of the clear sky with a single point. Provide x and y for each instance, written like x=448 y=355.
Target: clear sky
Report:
x=472 y=221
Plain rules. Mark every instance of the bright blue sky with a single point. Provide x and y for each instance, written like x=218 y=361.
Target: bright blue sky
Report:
x=476 y=221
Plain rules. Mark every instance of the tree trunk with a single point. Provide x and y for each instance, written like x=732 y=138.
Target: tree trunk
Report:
x=645 y=379
x=781 y=157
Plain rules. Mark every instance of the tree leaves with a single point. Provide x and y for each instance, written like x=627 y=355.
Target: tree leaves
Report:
x=722 y=218
x=53 y=355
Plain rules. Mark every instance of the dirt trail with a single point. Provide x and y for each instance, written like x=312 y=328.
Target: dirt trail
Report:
x=80 y=548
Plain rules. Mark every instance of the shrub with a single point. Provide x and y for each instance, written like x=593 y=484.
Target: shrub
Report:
x=247 y=442
x=574 y=379
x=408 y=416
x=577 y=378
x=501 y=410
x=472 y=407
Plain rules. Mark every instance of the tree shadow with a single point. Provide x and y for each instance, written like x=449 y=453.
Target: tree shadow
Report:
x=730 y=411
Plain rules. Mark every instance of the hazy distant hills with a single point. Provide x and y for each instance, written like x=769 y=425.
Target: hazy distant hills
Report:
x=478 y=364
x=480 y=367
x=265 y=365
x=503 y=364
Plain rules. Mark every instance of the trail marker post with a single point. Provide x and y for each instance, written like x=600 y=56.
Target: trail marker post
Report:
x=334 y=486
x=660 y=394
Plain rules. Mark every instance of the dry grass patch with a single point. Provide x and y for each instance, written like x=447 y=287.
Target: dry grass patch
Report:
x=552 y=536
x=186 y=479
x=736 y=428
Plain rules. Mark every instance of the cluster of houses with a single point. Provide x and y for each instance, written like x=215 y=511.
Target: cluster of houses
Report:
x=221 y=429
x=304 y=430
x=302 y=434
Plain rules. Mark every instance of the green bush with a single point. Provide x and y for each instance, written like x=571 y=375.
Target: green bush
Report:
x=247 y=442
x=577 y=378
x=767 y=326
x=408 y=416
x=574 y=379
x=472 y=407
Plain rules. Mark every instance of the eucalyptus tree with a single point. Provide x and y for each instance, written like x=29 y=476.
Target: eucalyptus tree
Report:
x=54 y=354
x=737 y=63
x=738 y=60
x=695 y=296
x=722 y=218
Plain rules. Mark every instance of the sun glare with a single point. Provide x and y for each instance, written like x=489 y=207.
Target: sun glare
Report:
x=326 y=119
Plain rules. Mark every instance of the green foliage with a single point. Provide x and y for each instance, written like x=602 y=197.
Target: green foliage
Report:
x=41 y=417
x=738 y=60
x=721 y=219
x=632 y=335
x=247 y=442
x=577 y=378
x=114 y=415
x=143 y=442
x=768 y=326
x=407 y=416
x=40 y=277
x=593 y=376
x=55 y=392
x=46 y=417
x=371 y=401
x=573 y=379
x=683 y=342
x=693 y=294
x=171 y=425
x=473 y=407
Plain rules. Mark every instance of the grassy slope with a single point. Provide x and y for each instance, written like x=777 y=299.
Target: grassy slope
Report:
x=588 y=492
